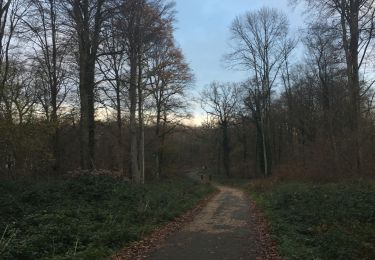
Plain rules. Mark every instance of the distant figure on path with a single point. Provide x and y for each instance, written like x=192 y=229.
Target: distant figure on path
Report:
x=204 y=176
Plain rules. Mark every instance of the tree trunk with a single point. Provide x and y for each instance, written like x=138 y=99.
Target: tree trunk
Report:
x=264 y=148
x=88 y=31
x=119 y=127
x=350 y=20
x=226 y=148
x=159 y=152
x=141 y=141
x=135 y=173
x=87 y=123
x=54 y=89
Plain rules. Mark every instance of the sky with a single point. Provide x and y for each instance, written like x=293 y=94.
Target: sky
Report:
x=202 y=32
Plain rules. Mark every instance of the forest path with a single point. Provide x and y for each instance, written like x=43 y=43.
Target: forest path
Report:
x=222 y=230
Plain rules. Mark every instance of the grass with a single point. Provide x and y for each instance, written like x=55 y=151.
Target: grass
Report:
x=88 y=217
x=321 y=221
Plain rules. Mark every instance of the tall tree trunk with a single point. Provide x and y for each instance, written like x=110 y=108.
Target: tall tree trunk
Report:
x=257 y=157
x=350 y=20
x=6 y=28
x=159 y=152
x=54 y=88
x=88 y=32
x=4 y=64
x=141 y=136
x=219 y=154
x=119 y=126
x=135 y=173
x=226 y=148
x=245 y=148
x=264 y=148
x=84 y=120
x=87 y=123
x=83 y=128
x=328 y=114
x=160 y=157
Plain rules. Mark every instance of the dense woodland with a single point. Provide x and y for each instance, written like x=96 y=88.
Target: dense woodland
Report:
x=89 y=85
x=98 y=149
x=102 y=84
x=301 y=117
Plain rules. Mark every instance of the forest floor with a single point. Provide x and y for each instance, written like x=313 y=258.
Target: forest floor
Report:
x=88 y=217
x=319 y=220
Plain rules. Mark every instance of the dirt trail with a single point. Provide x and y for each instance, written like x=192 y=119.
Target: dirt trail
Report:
x=222 y=230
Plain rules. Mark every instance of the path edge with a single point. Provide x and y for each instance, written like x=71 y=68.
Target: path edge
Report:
x=141 y=249
x=267 y=244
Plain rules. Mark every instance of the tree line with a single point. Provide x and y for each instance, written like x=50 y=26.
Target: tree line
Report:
x=74 y=73
x=103 y=85
x=312 y=115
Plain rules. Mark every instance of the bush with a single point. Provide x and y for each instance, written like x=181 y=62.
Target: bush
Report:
x=330 y=221
x=88 y=217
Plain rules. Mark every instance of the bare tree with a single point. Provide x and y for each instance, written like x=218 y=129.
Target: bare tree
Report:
x=43 y=24
x=143 y=23
x=19 y=95
x=326 y=60
x=356 y=20
x=87 y=19
x=129 y=25
x=4 y=45
x=169 y=77
x=114 y=69
x=260 y=44
x=11 y=13
x=221 y=102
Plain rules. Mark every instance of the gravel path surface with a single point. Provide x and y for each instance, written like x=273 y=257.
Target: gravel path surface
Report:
x=222 y=230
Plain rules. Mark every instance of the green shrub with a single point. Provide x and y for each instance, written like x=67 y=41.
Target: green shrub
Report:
x=331 y=221
x=88 y=217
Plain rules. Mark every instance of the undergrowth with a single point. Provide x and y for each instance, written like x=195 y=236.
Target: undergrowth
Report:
x=87 y=217
x=320 y=221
